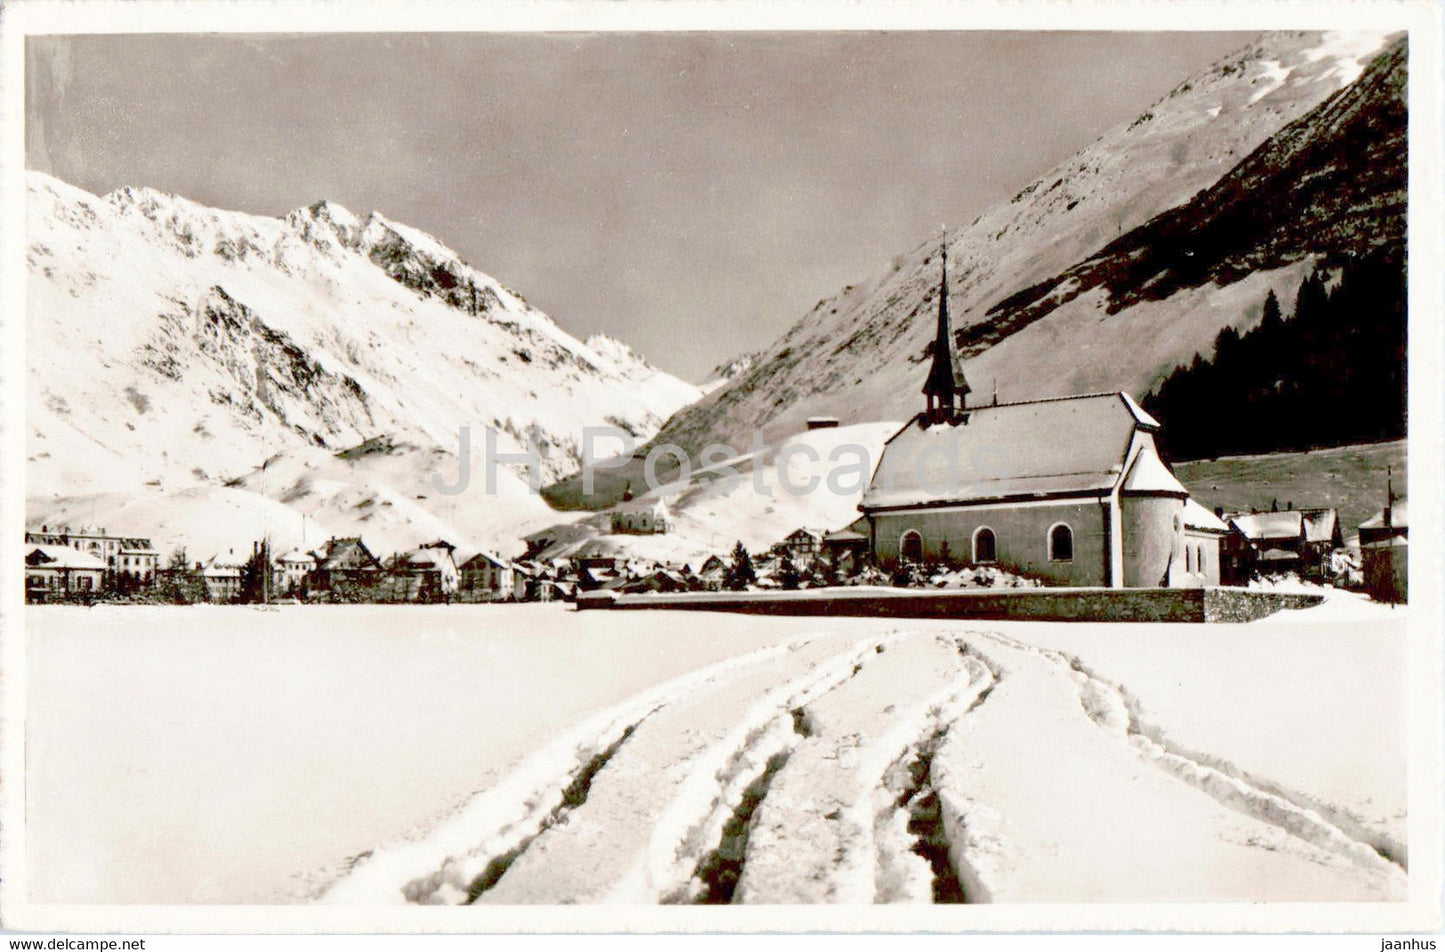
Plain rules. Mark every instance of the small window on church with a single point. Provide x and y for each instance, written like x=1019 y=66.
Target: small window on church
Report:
x=911 y=547
x=1188 y=555
x=1061 y=544
x=983 y=546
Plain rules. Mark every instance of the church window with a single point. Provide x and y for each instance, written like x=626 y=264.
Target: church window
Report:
x=910 y=547
x=984 y=549
x=1061 y=543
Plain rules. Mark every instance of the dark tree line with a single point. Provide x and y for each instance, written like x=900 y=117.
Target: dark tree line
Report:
x=1332 y=374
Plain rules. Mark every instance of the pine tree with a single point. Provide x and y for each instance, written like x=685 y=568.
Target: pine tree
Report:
x=740 y=572
x=788 y=574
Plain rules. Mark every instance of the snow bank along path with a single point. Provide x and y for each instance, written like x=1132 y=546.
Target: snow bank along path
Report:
x=914 y=766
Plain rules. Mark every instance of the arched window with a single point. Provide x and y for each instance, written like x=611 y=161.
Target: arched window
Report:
x=1187 y=556
x=983 y=545
x=1061 y=543
x=910 y=547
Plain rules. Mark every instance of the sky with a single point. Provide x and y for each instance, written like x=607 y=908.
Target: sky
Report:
x=692 y=194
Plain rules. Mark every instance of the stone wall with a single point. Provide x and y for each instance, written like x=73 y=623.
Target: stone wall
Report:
x=1071 y=604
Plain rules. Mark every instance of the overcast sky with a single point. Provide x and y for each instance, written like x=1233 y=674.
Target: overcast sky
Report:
x=691 y=194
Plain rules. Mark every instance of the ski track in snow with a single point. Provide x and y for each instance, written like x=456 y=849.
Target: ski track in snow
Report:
x=1115 y=711
x=441 y=867
x=803 y=772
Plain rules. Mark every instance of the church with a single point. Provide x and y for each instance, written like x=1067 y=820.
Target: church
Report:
x=1070 y=490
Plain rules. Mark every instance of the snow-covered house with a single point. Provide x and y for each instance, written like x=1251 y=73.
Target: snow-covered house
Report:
x=844 y=549
x=428 y=573
x=289 y=572
x=1290 y=540
x=346 y=562
x=131 y=556
x=222 y=575
x=1385 y=552
x=802 y=545
x=60 y=571
x=713 y=574
x=1071 y=490
x=486 y=577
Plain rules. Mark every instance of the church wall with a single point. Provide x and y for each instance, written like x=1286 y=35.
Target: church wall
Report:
x=1151 y=540
x=1021 y=535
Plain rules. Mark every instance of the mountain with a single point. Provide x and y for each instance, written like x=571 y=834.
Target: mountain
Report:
x=1117 y=265
x=174 y=348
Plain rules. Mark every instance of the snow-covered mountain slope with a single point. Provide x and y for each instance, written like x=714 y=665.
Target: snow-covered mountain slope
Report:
x=173 y=346
x=861 y=355
x=813 y=479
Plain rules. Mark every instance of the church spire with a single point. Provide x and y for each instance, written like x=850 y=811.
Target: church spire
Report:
x=945 y=377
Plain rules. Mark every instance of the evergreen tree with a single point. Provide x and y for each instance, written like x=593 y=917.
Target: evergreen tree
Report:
x=740 y=573
x=181 y=583
x=788 y=574
x=1334 y=373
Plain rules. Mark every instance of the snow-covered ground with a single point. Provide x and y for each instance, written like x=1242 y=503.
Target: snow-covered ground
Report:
x=529 y=753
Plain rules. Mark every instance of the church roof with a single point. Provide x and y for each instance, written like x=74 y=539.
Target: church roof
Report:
x=1198 y=517
x=1065 y=446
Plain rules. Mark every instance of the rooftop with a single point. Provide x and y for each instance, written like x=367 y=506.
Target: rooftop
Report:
x=1059 y=446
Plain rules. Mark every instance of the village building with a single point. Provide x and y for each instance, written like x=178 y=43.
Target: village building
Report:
x=1070 y=490
x=130 y=556
x=290 y=572
x=1289 y=540
x=485 y=578
x=713 y=574
x=346 y=562
x=428 y=573
x=803 y=546
x=222 y=575
x=1385 y=551
x=845 y=550
x=57 y=572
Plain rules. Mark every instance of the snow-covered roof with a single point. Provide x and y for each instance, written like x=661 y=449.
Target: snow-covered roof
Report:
x=800 y=534
x=63 y=557
x=297 y=556
x=1278 y=555
x=1197 y=516
x=429 y=558
x=485 y=557
x=1319 y=524
x=1269 y=525
x=347 y=553
x=1399 y=517
x=1148 y=474
x=1057 y=447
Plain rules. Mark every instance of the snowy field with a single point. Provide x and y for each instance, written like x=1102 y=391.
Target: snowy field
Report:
x=532 y=754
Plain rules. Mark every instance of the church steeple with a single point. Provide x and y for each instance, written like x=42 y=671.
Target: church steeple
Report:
x=945 y=377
